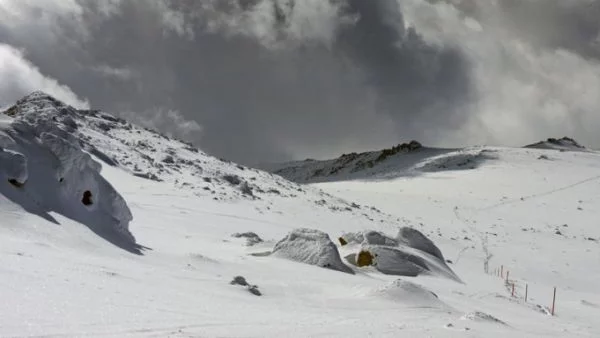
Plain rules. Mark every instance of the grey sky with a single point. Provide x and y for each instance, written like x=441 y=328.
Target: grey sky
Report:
x=271 y=80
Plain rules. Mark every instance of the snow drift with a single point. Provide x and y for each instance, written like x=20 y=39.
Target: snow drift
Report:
x=40 y=150
x=311 y=247
x=408 y=293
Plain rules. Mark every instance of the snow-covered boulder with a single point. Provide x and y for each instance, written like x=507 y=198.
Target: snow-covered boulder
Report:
x=410 y=254
x=415 y=239
x=40 y=144
x=368 y=237
x=311 y=247
x=394 y=261
x=562 y=144
x=251 y=237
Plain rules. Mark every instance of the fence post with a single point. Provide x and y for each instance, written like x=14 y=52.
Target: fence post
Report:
x=526 y=289
x=513 y=290
x=507 y=272
x=553 y=301
x=501 y=271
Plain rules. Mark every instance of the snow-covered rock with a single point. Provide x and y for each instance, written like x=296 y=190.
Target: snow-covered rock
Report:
x=251 y=237
x=368 y=237
x=394 y=261
x=562 y=144
x=415 y=239
x=482 y=317
x=410 y=254
x=312 y=247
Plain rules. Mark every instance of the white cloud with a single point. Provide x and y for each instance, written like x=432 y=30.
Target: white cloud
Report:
x=121 y=74
x=521 y=93
x=171 y=122
x=20 y=77
x=27 y=13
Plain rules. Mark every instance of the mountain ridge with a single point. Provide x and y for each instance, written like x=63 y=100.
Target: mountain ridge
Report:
x=403 y=160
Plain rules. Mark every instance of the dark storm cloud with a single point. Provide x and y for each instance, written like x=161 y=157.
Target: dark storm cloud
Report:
x=405 y=71
x=261 y=96
x=261 y=80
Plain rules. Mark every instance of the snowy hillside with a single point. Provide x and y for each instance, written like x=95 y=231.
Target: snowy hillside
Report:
x=217 y=249
x=407 y=159
x=149 y=155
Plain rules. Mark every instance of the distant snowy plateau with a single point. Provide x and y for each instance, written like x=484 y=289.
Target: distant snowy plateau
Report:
x=110 y=229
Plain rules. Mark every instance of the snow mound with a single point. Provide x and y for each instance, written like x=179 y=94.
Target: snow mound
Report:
x=562 y=144
x=411 y=254
x=482 y=317
x=412 y=294
x=39 y=149
x=312 y=247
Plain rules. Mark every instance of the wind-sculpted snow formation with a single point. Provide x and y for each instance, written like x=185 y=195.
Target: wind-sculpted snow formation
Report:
x=45 y=169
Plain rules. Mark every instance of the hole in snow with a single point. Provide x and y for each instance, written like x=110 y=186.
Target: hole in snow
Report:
x=87 y=198
x=15 y=183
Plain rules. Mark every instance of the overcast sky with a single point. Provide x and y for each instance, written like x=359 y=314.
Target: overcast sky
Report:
x=274 y=80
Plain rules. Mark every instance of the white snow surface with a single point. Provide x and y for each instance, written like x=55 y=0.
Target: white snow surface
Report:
x=60 y=278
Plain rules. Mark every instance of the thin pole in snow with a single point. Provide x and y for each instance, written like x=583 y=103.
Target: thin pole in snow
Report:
x=513 y=290
x=526 y=289
x=507 y=272
x=501 y=270
x=553 y=301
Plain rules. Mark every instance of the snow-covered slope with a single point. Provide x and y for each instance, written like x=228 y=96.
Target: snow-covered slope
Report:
x=200 y=224
x=148 y=154
x=407 y=159
x=44 y=169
